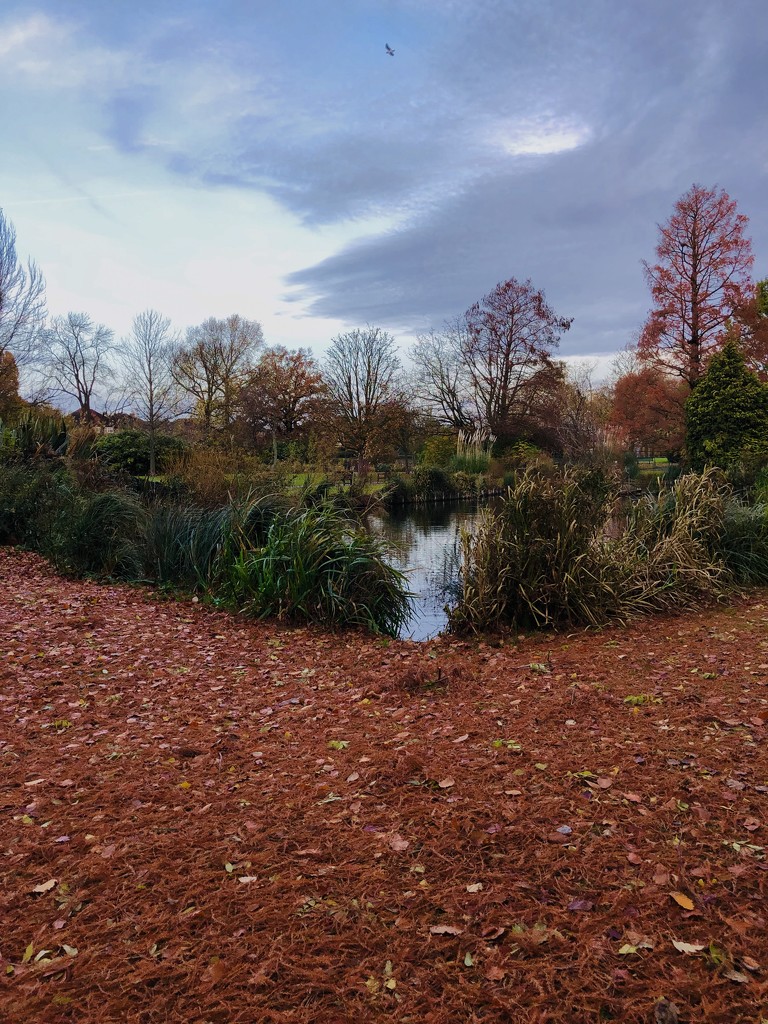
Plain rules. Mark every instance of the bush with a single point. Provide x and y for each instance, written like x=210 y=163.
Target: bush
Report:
x=128 y=451
x=312 y=564
x=438 y=451
x=431 y=482
x=32 y=437
x=726 y=413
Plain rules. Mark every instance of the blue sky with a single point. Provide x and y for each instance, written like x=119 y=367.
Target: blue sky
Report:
x=270 y=159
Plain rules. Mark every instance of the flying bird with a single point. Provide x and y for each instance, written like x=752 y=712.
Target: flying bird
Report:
x=389 y=50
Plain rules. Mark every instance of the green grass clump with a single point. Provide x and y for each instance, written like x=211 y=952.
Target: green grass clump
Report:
x=315 y=565
x=258 y=553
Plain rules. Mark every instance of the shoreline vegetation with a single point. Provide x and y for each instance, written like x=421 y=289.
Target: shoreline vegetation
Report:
x=561 y=546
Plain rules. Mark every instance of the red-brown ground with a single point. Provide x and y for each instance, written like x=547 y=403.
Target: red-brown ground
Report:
x=206 y=819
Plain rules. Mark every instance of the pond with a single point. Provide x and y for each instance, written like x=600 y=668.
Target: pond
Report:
x=426 y=544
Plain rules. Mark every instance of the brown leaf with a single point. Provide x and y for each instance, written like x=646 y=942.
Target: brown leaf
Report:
x=682 y=900
x=397 y=843
x=447 y=782
x=445 y=929
x=495 y=974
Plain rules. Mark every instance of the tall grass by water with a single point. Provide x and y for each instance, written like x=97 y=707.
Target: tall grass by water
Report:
x=559 y=550
x=258 y=553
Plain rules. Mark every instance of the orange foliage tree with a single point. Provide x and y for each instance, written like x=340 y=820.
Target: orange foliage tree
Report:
x=701 y=276
x=648 y=411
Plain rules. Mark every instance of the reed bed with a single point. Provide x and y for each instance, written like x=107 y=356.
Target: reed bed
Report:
x=559 y=552
x=258 y=553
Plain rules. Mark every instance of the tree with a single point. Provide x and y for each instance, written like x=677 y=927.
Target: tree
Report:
x=212 y=364
x=487 y=368
x=146 y=354
x=440 y=376
x=22 y=298
x=750 y=327
x=281 y=393
x=702 y=275
x=581 y=416
x=362 y=373
x=74 y=358
x=727 y=413
x=648 y=411
x=10 y=402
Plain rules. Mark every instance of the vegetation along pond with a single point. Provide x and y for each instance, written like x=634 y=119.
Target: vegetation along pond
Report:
x=426 y=544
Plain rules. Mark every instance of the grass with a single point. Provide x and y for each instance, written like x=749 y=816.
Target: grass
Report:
x=258 y=553
x=544 y=558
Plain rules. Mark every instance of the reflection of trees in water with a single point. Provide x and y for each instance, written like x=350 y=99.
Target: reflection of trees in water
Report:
x=426 y=543
x=419 y=533
x=445 y=577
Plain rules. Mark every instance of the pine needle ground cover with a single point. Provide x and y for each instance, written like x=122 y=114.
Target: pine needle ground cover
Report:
x=209 y=819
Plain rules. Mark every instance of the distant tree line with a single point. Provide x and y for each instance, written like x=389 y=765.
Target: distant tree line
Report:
x=490 y=372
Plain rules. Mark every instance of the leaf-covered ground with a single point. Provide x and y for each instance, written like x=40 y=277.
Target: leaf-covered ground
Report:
x=206 y=819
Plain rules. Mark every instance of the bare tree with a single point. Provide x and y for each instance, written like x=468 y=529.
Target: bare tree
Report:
x=487 y=368
x=74 y=358
x=213 y=362
x=22 y=299
x=362 y=373
x=146 y=356
x=440 y=376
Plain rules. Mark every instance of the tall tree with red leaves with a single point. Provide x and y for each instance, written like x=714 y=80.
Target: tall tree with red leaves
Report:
x=702 y=274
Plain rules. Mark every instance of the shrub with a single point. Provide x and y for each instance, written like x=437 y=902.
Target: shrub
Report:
x=128 y=450
x=431 y=482
x=314 y=566
x=32 y=437
x=726 y=413
x=438 y=451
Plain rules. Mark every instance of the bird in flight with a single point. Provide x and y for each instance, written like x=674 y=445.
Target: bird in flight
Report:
x=389 y=50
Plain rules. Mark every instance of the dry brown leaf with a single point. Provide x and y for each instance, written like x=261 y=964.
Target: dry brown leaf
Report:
x=682 y=900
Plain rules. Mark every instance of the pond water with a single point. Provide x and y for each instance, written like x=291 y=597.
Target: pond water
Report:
x=426 y=544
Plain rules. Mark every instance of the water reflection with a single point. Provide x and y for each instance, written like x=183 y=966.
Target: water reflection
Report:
x=426 y=543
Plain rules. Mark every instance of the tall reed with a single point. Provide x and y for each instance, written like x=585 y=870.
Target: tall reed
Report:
x=552 y=553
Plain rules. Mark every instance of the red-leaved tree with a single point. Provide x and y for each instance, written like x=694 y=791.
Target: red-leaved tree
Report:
x=702 y=275
x=648 y=411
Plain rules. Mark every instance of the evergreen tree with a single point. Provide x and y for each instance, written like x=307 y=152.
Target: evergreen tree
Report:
x=727 y=412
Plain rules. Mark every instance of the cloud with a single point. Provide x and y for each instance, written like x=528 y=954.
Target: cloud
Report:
x=531 y=138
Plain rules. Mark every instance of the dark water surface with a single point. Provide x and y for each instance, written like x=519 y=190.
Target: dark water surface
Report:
x=426 y=544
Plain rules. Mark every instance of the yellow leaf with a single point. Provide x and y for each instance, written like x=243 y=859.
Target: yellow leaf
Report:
x=390 y=983
x=28 y=954
x=682 y=900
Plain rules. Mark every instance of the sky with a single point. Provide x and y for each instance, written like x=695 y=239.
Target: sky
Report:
x=271 y=159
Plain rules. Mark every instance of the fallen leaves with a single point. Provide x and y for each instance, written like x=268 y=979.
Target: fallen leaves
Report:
x=688 y=947
x=682 y=900
x=46 y=886
x=189 y=818
x=445 y=929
